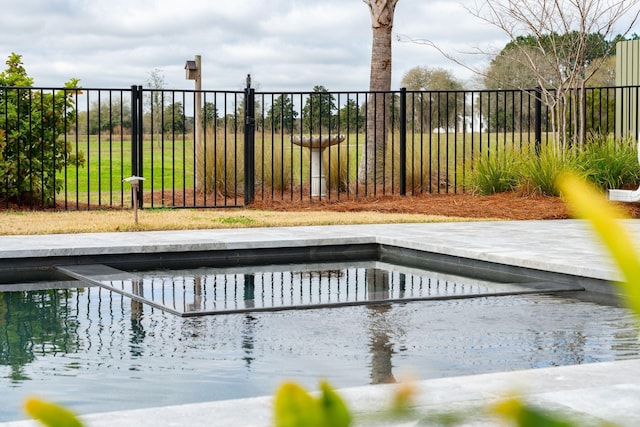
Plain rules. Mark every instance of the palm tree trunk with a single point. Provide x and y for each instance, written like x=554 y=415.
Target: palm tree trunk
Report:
x=371 y=169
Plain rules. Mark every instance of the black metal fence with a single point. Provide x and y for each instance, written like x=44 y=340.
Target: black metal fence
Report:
x=73 y=148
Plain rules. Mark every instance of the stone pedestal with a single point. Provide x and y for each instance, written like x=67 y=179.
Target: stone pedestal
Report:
x=316 y=145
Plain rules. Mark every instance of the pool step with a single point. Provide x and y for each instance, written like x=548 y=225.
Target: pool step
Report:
x=109 y=278
x=202 y=292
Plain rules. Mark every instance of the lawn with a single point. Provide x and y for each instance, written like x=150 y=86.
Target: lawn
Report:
x=22 y=223
x=169 y=162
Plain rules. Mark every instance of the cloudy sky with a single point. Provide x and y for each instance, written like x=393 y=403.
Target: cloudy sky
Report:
x=284 y=44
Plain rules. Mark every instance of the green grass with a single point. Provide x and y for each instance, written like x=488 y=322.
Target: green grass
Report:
x=108 y=162
x=171 y=164
x=236 y=220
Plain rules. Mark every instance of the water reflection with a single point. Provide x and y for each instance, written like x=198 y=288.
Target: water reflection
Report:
x=58 y=336
x=248 y=329
x=137 y=328
x=248 y=339
x=33 y=324
x=380 y=328
x=197 y=302
x=213 y=291
x=249 y=290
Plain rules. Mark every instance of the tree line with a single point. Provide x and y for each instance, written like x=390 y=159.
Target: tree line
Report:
x=434 y=109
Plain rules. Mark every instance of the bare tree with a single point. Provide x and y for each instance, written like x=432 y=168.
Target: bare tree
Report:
x=561 y=30
x=372 y=163
x=430 y=105
x=559 y=57
x=156 y=101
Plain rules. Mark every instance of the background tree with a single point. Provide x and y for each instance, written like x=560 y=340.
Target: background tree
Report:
x=350 y=117
x=156 y=102
x=282 y=114
x=563 y=44
x=174 y=119
x=32 y=122
x=239 y=116
x=209 y=115
x=318 y=110
x=371 y=167
x=105 y=116
x=432 y=102
x=510 y=70
x=233 y=122
x=605 y=76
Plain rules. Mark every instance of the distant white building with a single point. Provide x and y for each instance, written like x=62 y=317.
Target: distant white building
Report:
x=471 y=124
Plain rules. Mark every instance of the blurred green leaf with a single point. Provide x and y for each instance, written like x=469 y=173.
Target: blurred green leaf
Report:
x=333 y=408
x=50 y=414
x=585 y=201
x=523 y=415
x=295 y=407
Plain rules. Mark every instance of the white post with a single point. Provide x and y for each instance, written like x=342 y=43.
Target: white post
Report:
x=134 y=188
x=318 y=181
x=134 y=181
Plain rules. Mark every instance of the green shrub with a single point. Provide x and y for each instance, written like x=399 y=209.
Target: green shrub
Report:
x=603 y=160
x=609 y=162
x=494 y=172
x=539 y=173
x=32 y=151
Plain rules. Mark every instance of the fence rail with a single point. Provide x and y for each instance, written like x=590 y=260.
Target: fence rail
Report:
x=71 y=149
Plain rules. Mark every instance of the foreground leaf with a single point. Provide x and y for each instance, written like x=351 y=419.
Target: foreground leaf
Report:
x=50 y=414
x=523 y=415
x=586 y=202
x=295 y=407
x=333 y=408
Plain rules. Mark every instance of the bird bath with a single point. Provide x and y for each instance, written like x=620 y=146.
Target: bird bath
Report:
x=316 y=145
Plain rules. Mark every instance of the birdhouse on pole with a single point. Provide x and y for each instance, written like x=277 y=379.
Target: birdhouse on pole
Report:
x=191 y=69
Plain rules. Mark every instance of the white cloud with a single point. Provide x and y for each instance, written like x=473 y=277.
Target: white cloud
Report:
x=285 y=44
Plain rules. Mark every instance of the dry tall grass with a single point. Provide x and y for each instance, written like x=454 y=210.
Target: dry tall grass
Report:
x=219 y=165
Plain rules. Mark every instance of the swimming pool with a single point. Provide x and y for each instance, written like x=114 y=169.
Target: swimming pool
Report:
x=79 y=345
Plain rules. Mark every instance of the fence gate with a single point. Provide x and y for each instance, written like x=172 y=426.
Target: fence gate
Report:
x=186 y=164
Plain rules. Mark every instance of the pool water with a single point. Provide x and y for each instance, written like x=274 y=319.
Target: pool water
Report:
x=213 y=291
x=96 y=350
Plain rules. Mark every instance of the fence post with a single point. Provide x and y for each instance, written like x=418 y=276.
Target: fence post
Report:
x=249 y=142
x=403 y=141
x=538 y=120
x=136 y=138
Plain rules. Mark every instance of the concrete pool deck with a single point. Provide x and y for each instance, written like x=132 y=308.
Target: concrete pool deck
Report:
x=592 y=391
